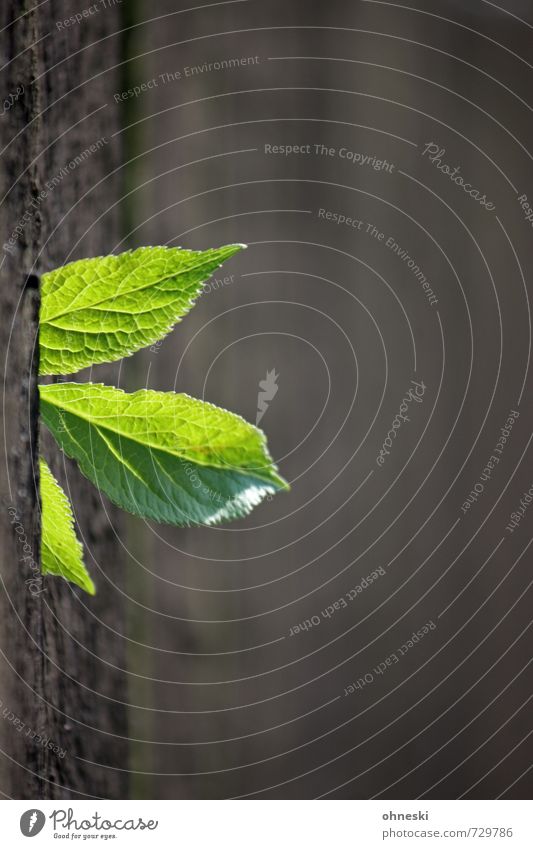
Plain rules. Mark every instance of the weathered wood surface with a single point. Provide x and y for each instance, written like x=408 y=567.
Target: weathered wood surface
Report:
x=62 y=653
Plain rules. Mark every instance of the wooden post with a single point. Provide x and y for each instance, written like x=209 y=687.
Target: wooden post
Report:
x=62 y=679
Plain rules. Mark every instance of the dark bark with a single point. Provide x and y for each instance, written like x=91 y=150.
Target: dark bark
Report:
x=62 y=661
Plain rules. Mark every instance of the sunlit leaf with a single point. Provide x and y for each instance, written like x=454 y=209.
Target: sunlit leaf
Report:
x=161 y=455
x=102 y=309
x=61 y=551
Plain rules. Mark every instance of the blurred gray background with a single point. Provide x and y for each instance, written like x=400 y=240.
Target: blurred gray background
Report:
x=225 y=697
x=227 y=702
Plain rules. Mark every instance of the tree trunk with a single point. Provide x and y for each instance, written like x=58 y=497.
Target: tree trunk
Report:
x=62 y=679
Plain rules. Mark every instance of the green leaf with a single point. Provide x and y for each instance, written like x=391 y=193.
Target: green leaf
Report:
x=102 y=309
x=160 y=455
x=61 y=551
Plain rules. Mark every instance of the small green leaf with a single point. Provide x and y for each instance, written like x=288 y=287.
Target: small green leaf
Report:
x=102 y=309
x=61 y=551
x=160 y=455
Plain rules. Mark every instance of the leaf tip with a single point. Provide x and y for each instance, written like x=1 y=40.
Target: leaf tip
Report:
x=233 y=248
x=280 y=483
x=90 y=588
